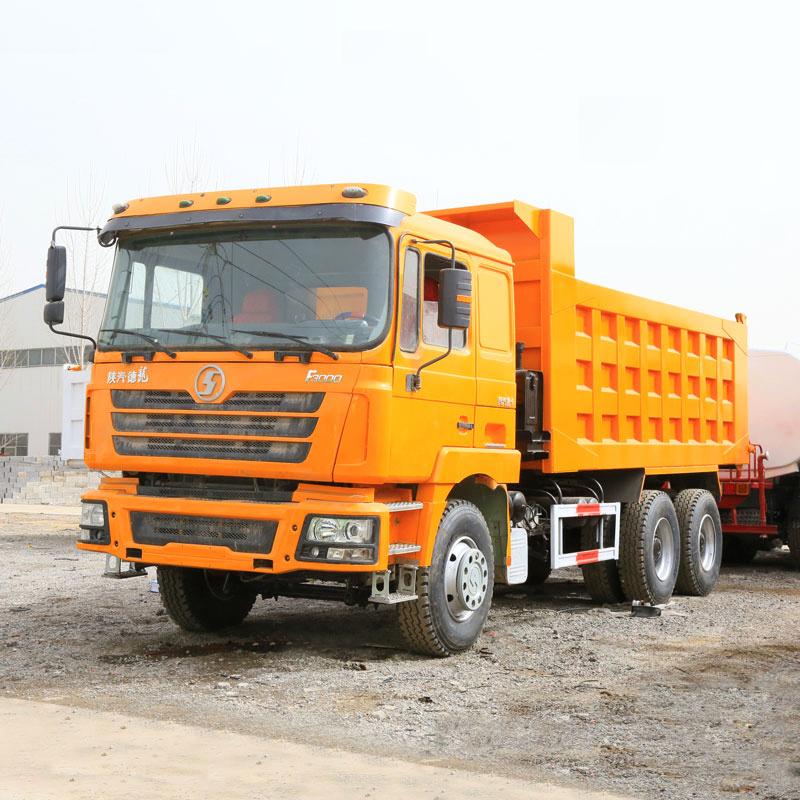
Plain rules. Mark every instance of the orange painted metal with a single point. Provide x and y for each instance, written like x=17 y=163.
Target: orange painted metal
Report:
x=376 y=195
x=629 y=382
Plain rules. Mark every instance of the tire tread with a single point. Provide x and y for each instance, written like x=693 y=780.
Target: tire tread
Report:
x=601 y=579
x=188 y=611
x=688 y=582
x=416 y=617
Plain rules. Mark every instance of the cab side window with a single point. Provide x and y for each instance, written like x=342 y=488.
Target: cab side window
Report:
x=431 y=332
x=409 y=307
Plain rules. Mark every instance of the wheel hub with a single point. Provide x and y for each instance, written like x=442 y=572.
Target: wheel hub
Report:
x=466 y=579
x=663 y=549
x=707 y=543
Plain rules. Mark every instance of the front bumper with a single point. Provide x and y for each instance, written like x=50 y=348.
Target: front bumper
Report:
x=127 y=514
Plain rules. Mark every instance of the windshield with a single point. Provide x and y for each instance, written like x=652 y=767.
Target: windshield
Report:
x=283 y=287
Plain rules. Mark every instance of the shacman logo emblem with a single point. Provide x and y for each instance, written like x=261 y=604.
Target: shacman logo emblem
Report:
x=209 y=383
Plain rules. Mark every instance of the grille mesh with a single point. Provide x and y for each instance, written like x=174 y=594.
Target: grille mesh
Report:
x=299 y=402
x=240 y=535
x=214 y=424
x=239 y=494
x=236 y=449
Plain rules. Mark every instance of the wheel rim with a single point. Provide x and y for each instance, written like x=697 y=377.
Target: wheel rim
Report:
x=707 y=543
x=663 y=549
x=466 y=579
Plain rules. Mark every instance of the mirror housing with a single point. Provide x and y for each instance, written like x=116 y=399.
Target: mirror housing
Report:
x=54 y=312
x=455 y=298
x=56 y=273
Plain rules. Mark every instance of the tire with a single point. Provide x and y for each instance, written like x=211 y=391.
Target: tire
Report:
x=701 y=542
x=601 y=579
x=649 y=548
x=202 y=600
x=455 y=592
x=539 y=568
x=793 y=531
x=739 y=549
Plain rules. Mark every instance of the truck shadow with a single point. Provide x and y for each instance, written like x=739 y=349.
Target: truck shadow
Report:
x=332 y=632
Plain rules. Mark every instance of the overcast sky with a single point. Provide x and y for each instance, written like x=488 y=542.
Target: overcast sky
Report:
x=670 y=132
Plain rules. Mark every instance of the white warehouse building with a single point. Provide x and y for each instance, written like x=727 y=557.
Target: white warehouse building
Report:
x=32 y=360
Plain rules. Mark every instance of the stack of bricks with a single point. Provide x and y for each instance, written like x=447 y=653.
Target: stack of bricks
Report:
x=44 y=480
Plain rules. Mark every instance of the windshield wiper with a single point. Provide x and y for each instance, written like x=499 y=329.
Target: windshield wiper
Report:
x=208 y=336
x=144 y=336
x=314 y=348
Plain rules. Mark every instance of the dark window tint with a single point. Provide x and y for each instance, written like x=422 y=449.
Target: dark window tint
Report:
x=431 y=332
x=409 y=312
x=13 y=444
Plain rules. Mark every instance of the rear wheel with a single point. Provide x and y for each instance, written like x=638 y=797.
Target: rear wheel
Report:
x=649 y=548
x=601 y=579
x=203 y=600
x=701 y=542
x=455 y=592
x=538 y=563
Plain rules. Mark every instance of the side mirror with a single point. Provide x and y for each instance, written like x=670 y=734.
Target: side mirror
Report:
x=455 y=298
x=54 y=312
x=56 y=273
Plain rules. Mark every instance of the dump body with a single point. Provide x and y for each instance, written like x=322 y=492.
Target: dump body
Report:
x=628 y=382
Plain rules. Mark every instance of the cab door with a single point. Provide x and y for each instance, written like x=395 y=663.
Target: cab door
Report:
x=442 y=412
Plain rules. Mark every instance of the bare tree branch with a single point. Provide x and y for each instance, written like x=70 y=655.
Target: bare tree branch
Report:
x=188 y=172
x=88 y=264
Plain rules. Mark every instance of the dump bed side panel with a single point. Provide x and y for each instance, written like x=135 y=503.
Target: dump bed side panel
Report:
x=629 y=382
x=652 y=385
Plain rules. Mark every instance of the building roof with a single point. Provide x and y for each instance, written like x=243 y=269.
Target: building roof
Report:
x=42 y=286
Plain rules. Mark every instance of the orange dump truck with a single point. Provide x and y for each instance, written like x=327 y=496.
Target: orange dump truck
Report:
x=319 y=392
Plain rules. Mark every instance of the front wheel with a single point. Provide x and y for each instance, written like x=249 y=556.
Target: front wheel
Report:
x=203 y=600
x=455 y=592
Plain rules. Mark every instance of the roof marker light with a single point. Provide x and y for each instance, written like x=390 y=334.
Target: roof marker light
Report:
x=223 y=201
x=263 y=198
x=118 y=208
x=185 y=203
x=354 y=191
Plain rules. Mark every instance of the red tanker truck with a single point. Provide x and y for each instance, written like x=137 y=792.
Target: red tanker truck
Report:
x=761 y=502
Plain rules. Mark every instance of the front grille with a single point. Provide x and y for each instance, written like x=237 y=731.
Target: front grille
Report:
x=240 y=535
x=298 y=402
x=240 y=495
x=215 y=424
x=236 y=449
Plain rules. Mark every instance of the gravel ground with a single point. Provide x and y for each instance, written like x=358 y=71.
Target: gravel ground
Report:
x=702 y=702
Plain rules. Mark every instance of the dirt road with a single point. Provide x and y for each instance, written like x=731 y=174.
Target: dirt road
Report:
x=703 y=702
x=100 y=753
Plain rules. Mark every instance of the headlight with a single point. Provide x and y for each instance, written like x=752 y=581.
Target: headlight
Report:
x=93 y=523
x=93 y=515
x=335 y=529
x=339 y=539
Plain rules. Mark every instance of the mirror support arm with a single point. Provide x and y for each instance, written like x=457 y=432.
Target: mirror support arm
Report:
x=69 y=228
x=414 y=382
x=73 y=335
